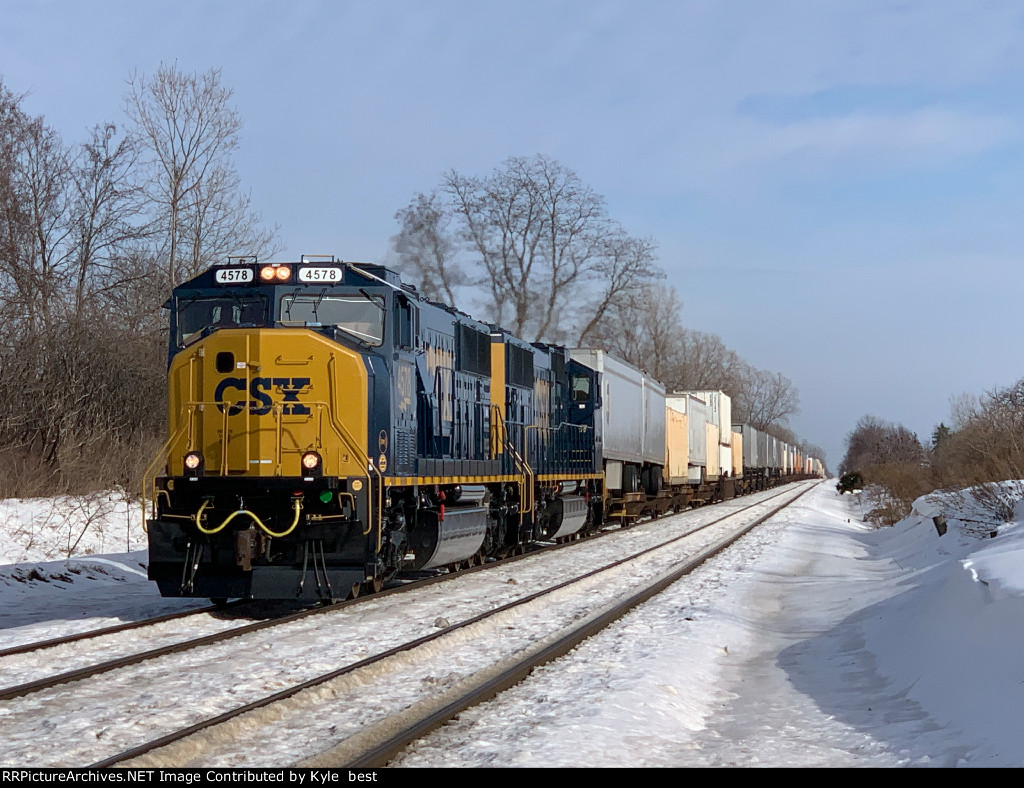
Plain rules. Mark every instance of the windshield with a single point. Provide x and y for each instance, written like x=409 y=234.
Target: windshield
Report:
x=357 y=315
x=222 y=311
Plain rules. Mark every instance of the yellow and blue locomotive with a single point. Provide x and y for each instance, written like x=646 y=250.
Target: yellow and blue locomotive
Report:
x=330 y=428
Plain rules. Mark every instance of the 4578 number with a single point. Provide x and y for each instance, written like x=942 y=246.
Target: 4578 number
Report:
x=320 y=274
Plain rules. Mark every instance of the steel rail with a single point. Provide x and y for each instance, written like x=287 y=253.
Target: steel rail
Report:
x=39 y=645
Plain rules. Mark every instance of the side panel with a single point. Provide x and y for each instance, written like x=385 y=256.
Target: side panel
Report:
x=498 y=377
x=655 y=421
x=613 y=474
x=623 y=413
x=725 y=458
x=677 y=446
x=697 y=413
x=713 y=455
x=725 y=418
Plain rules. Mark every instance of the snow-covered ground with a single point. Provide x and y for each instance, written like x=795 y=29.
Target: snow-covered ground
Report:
x=45 y=593
x=817 y=640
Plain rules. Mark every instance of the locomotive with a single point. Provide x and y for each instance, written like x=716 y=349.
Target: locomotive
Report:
x=330 y=428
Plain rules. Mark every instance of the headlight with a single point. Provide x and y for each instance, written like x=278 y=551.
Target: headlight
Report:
x=193 y=464
x=275 y=273
x=312 y=465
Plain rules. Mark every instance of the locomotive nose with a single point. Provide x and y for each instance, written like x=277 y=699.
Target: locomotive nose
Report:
x=254 y=402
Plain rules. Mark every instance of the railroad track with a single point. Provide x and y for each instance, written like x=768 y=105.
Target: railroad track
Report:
x=32 y=674
x=533 y=628
x=50 y=663
x=25 y=669
x=115 y=629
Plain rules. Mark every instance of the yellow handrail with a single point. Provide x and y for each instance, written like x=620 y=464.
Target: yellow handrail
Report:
x=521 y=463
x=160 y=457
x=354 y=448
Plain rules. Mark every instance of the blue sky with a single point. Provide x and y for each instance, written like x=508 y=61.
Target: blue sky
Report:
x=835 y=188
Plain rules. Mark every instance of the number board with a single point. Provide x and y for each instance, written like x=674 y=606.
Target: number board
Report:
x=230 y=276
x=320 y=274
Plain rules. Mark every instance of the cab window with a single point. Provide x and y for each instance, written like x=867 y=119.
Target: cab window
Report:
x=355 y=315
x=580 y=388
x=195 y=315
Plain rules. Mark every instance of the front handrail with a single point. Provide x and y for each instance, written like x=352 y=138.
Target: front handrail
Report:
x=191 y=408
x=160 y=457
x=354 y=448
x=519 y=461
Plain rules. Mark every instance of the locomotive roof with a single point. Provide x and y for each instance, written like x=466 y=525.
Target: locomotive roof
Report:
x=310 y=270
x=326 y=271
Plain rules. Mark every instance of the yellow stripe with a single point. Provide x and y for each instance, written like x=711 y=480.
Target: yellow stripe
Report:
x=497 y=388
x=558 y=477
x=406 y=481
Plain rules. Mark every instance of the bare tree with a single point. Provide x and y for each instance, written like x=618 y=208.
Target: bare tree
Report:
x=38 y=265
x=874 y=442
x=766 y=399
x=988 y=442
x=542 y=239
x=706 y=363
x=623 y=272
x=890 y=460
x=189 y=132
x=84 y=263
x=107 y=212
x=67 y=214
x=535 y=238
x=963 y=409
x=643 y=328
x=15 y=219
x=426 y=248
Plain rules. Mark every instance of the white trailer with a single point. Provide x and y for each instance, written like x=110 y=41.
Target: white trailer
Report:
x=633 y=421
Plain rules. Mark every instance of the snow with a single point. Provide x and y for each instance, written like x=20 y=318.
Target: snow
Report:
x=817 y=640
x=73 y=564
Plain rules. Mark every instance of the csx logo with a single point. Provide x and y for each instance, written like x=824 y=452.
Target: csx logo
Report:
x=261 y=403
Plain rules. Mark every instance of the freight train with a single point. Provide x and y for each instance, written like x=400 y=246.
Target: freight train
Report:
x=330 y=428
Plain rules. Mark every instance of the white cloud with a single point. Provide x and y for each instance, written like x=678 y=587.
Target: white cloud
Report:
x=872 y=142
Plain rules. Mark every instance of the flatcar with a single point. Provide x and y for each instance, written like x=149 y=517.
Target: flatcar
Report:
x=330 y=428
